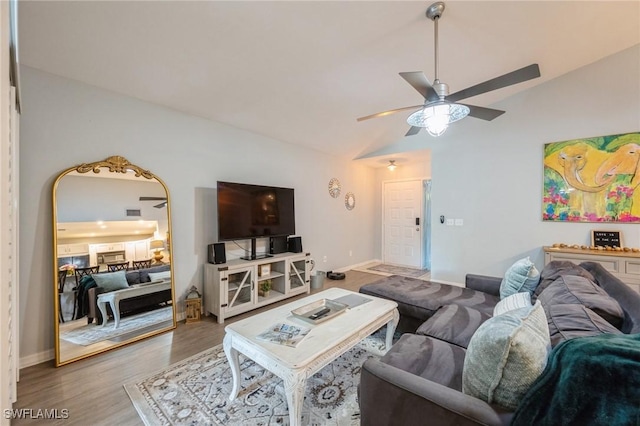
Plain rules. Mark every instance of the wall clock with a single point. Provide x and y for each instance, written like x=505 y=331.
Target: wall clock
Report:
x=334 y=188
x=350 y=201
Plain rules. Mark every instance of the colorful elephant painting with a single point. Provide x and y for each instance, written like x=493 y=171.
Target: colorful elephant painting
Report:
x=592 y=180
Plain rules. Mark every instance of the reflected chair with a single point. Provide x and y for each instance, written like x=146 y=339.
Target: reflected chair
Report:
x=117 y=266
x=140 y=264
x=62 y=277
x=81 y=272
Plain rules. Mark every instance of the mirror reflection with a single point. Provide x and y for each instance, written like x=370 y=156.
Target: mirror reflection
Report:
x=113 y=261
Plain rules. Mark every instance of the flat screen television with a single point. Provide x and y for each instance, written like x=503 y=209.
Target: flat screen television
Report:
x=254 y=211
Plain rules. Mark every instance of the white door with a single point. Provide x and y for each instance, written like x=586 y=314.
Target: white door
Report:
x=402 y=223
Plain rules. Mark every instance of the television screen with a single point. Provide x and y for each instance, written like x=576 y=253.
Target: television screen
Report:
x=253 y=211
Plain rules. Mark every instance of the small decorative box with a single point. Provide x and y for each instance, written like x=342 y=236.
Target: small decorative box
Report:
x=264 y=270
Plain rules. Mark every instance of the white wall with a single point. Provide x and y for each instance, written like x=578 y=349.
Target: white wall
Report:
x=66 y=123
x=89 y=199
x=490 y=174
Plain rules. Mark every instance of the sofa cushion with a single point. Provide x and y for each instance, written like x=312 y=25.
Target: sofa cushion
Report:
x=521 y=276
x=572 y=289
x=133 y=277
x=571 y=321
x=506 y=355
x=515 y=301
x=454 y=324
x=421 y=299
x=553 y=270
x=428 y=358
x=628 y=299
x=111 y=281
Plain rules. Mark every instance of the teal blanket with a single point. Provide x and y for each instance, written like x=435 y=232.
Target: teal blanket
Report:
x=587 y=381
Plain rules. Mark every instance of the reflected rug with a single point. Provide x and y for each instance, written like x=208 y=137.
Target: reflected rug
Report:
x=398 y=270
x=92 y=333
x=196 y=391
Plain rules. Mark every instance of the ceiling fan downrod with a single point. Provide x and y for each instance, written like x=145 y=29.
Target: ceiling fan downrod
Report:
x=434 y=12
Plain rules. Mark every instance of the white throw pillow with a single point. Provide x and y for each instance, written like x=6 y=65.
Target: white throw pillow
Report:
x=160 y=276
x=509 y=303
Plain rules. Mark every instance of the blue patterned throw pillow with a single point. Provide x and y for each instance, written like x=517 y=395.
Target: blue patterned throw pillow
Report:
x=520 y=277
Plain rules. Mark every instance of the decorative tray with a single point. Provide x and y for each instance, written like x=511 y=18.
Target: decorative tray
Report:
x=319 y=311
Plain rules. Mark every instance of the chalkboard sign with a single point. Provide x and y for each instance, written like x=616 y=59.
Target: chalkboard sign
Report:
x=606 y=238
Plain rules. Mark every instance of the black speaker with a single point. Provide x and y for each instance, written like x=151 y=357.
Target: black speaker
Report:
x=295 y=245
x=277 y=245
x=217 y=253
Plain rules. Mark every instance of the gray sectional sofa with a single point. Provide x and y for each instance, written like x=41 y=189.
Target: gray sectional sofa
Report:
x=420 y=379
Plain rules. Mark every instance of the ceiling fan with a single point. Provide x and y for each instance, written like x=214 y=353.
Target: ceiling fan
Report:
x=440 y=108
x=157 y=206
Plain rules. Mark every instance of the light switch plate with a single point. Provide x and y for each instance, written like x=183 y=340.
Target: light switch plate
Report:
x=449 y=222
x=459 y=222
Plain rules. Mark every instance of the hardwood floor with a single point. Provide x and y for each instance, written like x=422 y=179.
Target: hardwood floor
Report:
x=92 y=389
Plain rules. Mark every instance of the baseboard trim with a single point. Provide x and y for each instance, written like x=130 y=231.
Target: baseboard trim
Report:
x=37 y=358
x=49 y=354
x=356 y=265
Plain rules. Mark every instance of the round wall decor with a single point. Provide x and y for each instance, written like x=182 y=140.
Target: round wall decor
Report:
x=350 y=201
x=334 y=187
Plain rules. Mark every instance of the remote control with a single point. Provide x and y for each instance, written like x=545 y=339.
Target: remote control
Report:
x=320 y=313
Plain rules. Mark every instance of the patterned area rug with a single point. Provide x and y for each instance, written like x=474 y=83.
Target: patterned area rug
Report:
x=196 y=391
x=93 y=333
x=399 y=270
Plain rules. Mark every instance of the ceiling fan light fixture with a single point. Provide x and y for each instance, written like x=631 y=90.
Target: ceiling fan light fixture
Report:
x=392 y=165
x=436 y=117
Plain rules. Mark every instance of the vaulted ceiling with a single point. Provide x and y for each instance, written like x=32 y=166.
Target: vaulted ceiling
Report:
x=302 y=72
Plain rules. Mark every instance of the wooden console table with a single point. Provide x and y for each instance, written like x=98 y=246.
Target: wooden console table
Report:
x=624 y=265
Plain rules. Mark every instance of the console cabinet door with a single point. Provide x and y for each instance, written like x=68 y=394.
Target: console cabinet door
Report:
x=299 y=275
x=239 y=289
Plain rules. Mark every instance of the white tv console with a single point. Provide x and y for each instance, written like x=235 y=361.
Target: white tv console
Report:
x=232 y=288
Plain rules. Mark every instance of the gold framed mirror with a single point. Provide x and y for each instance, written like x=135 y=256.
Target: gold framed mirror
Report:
x=113 y=267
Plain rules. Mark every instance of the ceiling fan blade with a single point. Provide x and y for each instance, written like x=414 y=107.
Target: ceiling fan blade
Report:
x=391 y=111
x=419 y=81
x=152 y=198
x=514 y=77
x=413 y=131
x=483 y=113
x=161 y=205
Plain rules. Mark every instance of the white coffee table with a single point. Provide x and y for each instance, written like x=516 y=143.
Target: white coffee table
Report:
x=324 y=343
